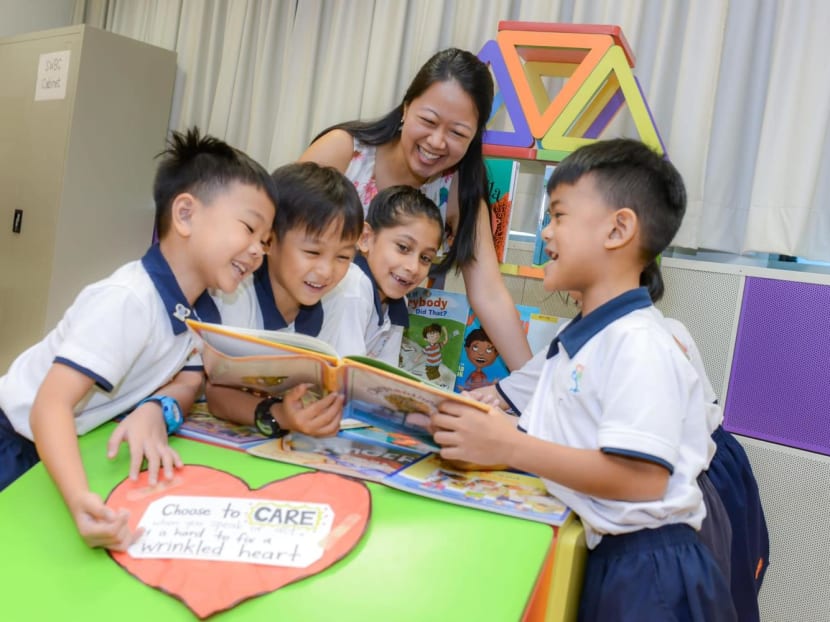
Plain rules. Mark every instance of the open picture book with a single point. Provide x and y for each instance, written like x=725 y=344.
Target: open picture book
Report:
x=271 y=362
x=404 y=456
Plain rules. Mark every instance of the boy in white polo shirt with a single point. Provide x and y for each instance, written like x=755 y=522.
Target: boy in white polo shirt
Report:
x=123 y=344
x=318 y=223
x=616 y=425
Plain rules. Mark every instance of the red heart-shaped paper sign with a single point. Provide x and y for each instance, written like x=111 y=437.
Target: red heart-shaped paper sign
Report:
x=209 y=586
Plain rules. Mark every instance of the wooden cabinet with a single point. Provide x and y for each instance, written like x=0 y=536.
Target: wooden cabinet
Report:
x=76 y=171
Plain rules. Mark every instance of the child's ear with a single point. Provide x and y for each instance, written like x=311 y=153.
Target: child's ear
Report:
x=181 y=213
x=624 y=228
x=365 y=238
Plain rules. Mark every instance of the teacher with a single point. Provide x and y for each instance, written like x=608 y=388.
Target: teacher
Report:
x=433 y=140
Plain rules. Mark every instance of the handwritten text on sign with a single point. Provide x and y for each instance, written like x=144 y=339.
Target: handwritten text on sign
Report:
x=52 y=74
x=258 y=531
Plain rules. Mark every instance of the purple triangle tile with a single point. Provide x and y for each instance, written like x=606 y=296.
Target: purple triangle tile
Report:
x=651 y=117
x=490 y=53
x=606 y=114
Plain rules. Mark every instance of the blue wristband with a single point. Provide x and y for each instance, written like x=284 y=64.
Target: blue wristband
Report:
x=173 y=417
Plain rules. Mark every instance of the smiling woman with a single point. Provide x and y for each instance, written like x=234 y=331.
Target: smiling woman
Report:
x=432 y=141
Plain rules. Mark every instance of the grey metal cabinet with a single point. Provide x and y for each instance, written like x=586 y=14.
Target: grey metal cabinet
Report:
x=76 y=170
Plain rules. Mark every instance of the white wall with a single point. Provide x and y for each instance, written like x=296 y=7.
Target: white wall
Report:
x=22 y=16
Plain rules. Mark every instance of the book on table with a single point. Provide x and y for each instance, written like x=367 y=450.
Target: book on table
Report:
x=201 y=425
x=405 y=457
x=389 y=443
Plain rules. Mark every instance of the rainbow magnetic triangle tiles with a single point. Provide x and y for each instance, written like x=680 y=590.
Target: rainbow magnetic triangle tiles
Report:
x=591 y=64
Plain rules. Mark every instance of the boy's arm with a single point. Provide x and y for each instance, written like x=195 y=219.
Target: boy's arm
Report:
x=318 y=418
x=492 y=438
x=53 y=425
x=145 y=431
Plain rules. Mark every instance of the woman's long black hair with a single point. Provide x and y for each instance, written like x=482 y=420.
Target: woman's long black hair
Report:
x=473 y=76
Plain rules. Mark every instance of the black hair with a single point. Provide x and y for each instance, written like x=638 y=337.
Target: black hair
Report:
x=391 y=205
x=630 y=174
x=652 y=279
x=477 y=334
x=203 y=166
x=473 y=76
x=312 y=197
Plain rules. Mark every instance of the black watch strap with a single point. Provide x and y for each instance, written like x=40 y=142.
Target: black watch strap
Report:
x=264 y=421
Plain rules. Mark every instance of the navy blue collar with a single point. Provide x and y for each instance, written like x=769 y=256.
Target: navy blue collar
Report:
x=309 y=320
x=398 y=313
x=582 y=329
x=172 y=296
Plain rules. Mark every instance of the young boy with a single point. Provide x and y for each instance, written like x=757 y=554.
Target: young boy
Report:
x=616 y=425
x=735 y=526
x=123 y=344
x=318 y=223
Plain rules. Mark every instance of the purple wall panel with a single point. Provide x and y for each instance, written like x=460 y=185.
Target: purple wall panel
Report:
x=779 y=387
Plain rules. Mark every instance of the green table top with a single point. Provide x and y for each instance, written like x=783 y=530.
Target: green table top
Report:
x=419 y=559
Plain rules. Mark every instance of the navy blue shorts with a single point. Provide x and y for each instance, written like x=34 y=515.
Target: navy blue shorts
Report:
x=663 y=574
x=716 y=530
x=17 y=453
x=731 y=475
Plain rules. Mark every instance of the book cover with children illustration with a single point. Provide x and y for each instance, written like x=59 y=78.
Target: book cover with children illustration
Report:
x=433 y=342
x=481 y=364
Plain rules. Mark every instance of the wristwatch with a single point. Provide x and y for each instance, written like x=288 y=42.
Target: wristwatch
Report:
x=173 y=417
x=264 y=421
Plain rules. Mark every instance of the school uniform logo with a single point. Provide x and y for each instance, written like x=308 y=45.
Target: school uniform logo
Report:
x=576 y=376
x=182 y=312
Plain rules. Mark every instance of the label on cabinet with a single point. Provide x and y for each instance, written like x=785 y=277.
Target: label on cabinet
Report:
x=52 y=74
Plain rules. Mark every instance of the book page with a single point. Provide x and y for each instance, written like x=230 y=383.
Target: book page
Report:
x=361 y=458
x=265 y=374
x=397 y=401
x=239 y=341
x=504 y=492
x=199 y=424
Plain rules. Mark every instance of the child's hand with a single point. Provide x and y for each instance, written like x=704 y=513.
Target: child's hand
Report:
x=470 y=435
x=318 y=418
x=486 y=395
x=145 y=432
x=100 y=525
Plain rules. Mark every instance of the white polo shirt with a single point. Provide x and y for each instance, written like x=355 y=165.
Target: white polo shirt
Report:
x=714 y=414
x=357 y=323
x=126 y=332
x=517 y=388
x=252 y=305
x=616 y=381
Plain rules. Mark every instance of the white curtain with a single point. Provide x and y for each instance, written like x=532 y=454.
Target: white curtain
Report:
x=739 y=89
